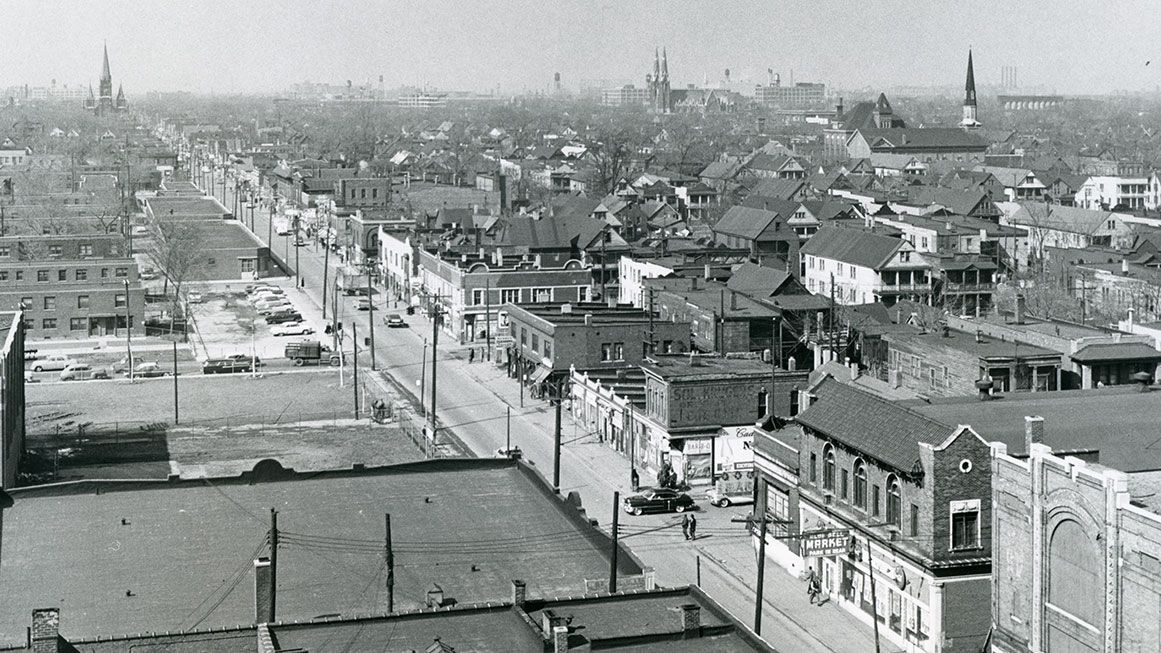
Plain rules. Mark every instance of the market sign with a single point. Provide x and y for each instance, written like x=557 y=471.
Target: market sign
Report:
x=825 y=543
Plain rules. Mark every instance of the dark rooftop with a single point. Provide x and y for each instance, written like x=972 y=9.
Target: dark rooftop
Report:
x=675 y=368
x=561 y=314
x=983 y=347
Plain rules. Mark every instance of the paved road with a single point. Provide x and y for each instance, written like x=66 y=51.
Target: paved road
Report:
x=475 y=401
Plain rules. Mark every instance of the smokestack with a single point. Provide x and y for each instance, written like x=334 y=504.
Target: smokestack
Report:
x=44 y=637
x=1033 y=432
x=263 y=591
x=519 y=593
x=690 y=621
x=1021 y=308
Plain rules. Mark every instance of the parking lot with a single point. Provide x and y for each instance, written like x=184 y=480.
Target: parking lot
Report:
x=227 y=322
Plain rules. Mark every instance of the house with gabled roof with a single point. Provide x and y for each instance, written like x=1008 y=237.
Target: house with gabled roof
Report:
x=858 y=266
x=763 y=231
x=928 y=144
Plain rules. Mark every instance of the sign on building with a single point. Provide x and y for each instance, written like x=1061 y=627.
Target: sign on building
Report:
x=825 y=543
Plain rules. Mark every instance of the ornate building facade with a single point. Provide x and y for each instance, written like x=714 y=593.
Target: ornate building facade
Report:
x=105 y=102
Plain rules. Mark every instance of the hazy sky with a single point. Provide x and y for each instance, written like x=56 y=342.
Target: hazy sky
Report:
x=1071 y=46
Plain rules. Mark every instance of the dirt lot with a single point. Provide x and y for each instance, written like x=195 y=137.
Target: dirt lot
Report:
x=227 y=323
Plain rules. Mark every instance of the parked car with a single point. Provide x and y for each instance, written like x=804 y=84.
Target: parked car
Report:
x=122 y=366
x=511 y=452
x=270 y=309
x=246 y=358
x=148 y=274
x=263 y=288
x=147 y=370
x=266 y=291
x=311 y=352
x=292 y=329
x=657 y=500
x=225 y=366
x=194 y=298
x=52 y=362
x=300 y=242
x=284 y=317
x=723 y=499
x=394 y=321
x=364 y=304
x=31 y=354
x=83 y=372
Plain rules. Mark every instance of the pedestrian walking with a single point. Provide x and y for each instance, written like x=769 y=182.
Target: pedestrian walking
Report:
x=685 y=526
x=813 y=587
x=635 y=479
x=692 y=527
x=472 y=355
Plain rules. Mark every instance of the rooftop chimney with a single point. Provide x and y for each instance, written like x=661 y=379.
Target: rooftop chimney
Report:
x=690 y=621
x=707 y=271
x=1021 y=307
x=565 y=308
x=612 y=301
x=1125 y=266
x=519 y=593
x=499 y=257
x=263 y=591
x=44 y=637
x=560 y=639
x=693 y=360
x=1033 y=432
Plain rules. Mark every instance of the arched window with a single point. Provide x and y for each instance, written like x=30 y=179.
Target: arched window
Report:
x=860 y=475
x=828 y=468
x=1075 y=567
x=894 y=501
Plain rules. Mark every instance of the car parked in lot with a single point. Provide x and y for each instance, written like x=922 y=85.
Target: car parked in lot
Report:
x=292 y=329
x=257 y=362
x=122 y=366
x=146 y=370
x=657 y=500
x=52 y=362
x=226 y=366
x=283 y=317
x=148 y=274
x=271 y=309
x=724 y=499
x=364 y=304
x=394 y=321
x=83 y=372
x=194 y=298
x=264 y=288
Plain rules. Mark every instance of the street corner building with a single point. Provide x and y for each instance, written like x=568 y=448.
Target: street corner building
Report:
x=889 y=508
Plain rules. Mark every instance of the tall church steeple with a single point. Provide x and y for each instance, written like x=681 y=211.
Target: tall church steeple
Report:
x=106 y=76
x=969 y=98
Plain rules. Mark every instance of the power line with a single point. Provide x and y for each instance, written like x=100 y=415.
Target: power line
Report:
x=233 y=579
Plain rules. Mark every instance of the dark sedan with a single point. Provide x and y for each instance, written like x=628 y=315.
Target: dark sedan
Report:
x=658 y=500
x=225 y=366
x=280 y=318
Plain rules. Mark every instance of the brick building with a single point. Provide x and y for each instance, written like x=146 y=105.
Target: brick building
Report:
x=1078 y=553
x=910 y=496
x=11 y=398
x=363 y=192
x=549 y=339
x=71 y=285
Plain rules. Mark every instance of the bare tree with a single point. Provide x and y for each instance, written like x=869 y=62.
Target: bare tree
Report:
x=179 y=253
x=611 y=154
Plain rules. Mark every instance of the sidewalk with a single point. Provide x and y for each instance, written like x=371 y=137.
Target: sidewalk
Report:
x=102 y=345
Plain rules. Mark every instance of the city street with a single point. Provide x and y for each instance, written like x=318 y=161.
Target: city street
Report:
x=474 y=400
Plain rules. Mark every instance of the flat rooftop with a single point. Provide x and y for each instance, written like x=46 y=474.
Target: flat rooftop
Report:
x=985 y=347
x=569 y=314
x=686 y=367
x=185 y=548
x=1120 y=422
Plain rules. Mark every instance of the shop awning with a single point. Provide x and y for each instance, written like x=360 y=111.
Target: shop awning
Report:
x=539 y=375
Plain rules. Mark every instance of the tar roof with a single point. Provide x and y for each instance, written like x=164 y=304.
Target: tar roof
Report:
x=854 y=246
x=982 y=345
x=1120 y=422
x=1116 y=351
x=878 y=428
x=700 y=367
x=185 y=546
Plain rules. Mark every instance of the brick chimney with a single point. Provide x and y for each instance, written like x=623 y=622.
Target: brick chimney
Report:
x=690 y=621
x=1021 y=308
x=263 y=591
x=1033 y=432
x=519 y=593
x=560 y=639
x=44 y=637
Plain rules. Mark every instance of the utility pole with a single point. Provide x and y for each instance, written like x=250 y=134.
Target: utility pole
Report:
x=423 y=379
x=175 y=415
x=556 y=443
x=390 y=560
x=273 y=559
x=488 y=316
x=435 y=318
x=297 y=271
x=761 y=576
x=830 y=335
x=326 y=273
x=355 y=364
x=371 y=311
x=652 y=337
x=773 y=375
x=508 y=433
x=613 y=554
x=604 y=235
x=128 y=332
x=874 y=600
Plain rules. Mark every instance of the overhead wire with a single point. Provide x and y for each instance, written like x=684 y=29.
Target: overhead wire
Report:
x=233 y=579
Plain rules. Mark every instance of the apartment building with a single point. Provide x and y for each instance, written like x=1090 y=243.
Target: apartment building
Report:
x=860 y=267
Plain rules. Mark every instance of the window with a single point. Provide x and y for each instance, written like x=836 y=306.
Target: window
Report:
x=62 y=275
x=48 y=323
x=510 y=296
x=3 y=275
x=813 y=468
x=860 y=484
x=894 y=501
x=20 y=275
x=82 y=301
x=248 y=264
x=29 y=323
x=86 y=250
x=42 y=275
x=762 y=398
x=523 y=336
x=828 y=468
x=26 y=303
x=50 y=303
x=77 y=324
x=54 y=250
x=82 y=274
x=547 y=349
x=104 y=273
x=619 y=351
x=120 y=301
x=606 y=352
x=122 y=272
x=904 y=257
x=374 y=193
x=535 y=342
x=965 y=524
x=478 y=297
x=5 y=251
x=845 y=484
x=541 y=295
x=914 y=520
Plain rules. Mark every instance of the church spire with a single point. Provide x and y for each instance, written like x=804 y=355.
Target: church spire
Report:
x=664 y=64
x=970 y=85
x=656 y=64
x=105 y=74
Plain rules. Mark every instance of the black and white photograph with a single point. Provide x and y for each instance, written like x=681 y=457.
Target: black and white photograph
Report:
x=509 y=326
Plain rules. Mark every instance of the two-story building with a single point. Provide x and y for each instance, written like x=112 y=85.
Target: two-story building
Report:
x=764 y=232
x=891 y=510
x=860 y=267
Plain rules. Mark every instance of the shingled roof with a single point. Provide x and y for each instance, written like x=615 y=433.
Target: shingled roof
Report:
x=854 y=246
x=869 y=424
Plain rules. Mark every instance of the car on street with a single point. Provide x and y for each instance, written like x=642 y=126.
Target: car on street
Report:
x=657 y=500
x=283 y=317
x=301 y=242
x=226 y=366
x=246 y=358
x=510 y=452
x=194 y=298
x=723 y=499
x=122 y=366
x=148 y=274
x=83 y=372
x=147 y=370
x=31 y=354
x=394 y=321
x=292 y=329
x=364 y=304
x=52 y=362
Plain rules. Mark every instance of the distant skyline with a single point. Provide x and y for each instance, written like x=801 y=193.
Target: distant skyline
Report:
x=1070 y=46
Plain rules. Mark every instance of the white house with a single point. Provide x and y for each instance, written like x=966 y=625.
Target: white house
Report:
x=631 y=273
x=1110 y=193
x=860 y=267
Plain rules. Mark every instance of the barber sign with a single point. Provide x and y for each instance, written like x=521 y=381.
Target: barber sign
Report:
x=825 y=543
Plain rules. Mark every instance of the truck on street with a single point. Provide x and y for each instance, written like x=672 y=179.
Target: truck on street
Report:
x=311 y=352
